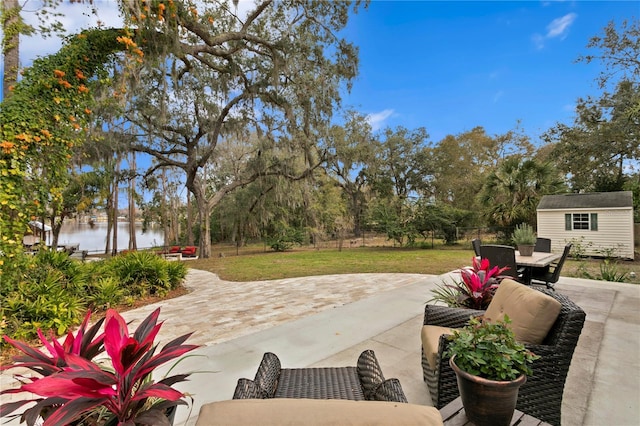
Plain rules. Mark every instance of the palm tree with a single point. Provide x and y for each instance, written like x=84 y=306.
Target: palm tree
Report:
x=512 y=192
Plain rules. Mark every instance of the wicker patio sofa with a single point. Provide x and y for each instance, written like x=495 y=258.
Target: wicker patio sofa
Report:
x=343 y=396
x=363 y=382
x=541 y=395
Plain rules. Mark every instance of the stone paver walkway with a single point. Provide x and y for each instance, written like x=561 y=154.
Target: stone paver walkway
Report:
x=217 y=310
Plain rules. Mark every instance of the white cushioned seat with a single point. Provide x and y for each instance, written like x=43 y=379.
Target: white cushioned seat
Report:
x=310 y=412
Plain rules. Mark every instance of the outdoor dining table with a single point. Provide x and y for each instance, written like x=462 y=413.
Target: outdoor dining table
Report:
x=538 y=259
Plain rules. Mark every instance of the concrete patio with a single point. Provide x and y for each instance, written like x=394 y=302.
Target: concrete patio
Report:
x=603 y=386
x=330 y=320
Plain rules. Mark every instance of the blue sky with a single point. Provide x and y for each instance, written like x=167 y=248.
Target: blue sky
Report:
x=452 y=65
x=449 y=66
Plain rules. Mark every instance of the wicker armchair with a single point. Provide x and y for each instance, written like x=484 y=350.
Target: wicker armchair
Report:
x=363 y=382
x=541 y=395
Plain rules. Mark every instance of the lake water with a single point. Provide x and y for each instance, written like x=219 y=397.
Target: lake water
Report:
x=94 y=238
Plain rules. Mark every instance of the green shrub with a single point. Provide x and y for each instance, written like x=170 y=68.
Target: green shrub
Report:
x=285 y=239
x=52 y=291
x=580 y=247
x=105 y=293
x=176 y=271
x=74 y=276
x=609 y=271
x=44 y=304
x=13 y=271
x=141 y=273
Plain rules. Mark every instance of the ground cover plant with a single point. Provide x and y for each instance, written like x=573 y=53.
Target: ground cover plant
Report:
x=51 y=291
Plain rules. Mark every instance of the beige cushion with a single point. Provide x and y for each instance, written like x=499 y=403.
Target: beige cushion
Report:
x=532 y=313
x=287 y=411
x=430 y=338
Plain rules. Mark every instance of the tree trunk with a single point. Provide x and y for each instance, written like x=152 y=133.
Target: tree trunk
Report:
x=205 y=233
x=356 y=210
x=203 y=219
x=133 y=245
x=10 y=46
x=115 y=207
x=109 y=209
x=189 y=220
x=163 y=206
x=175 y=219
x=43 y=232
x=56 y=227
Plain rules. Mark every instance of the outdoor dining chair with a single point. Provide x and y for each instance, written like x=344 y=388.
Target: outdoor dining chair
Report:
x=541 y=395
x=551 y=274
x=500 y=255
x=476 y=243
x=543 y=244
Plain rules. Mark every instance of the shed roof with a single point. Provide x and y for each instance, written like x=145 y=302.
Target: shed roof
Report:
x=593 y=200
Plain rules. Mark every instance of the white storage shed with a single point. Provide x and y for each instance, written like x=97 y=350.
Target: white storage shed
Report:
x=601 y=223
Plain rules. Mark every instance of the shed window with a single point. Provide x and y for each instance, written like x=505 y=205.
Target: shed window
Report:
x=581 y=221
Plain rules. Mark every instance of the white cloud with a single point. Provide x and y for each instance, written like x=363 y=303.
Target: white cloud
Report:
x=377 y=119
x=560 y=26
x=497 y=96
x=538 y=41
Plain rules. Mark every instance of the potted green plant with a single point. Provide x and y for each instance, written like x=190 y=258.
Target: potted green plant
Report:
x=490 y=367
x=476 y=288
x=524 y=238
x=72 y=388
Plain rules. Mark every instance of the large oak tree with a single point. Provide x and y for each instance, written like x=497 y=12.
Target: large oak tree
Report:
x=268 y=79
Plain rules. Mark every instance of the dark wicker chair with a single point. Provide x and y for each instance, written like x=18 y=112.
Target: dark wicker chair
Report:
x=364 y=382
x=543 y=244
x=502 y=256
x=541 y=395
x=551 y=274
x=476 y=243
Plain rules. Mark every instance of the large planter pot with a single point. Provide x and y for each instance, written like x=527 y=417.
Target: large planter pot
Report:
x=487 y=402
x=526 y=249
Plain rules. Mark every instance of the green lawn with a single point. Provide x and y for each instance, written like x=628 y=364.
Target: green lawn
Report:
x=307 y=262
x=254 y=263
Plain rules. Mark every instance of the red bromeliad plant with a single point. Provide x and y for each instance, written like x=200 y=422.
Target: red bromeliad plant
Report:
x=74 y=389
x=476 y=289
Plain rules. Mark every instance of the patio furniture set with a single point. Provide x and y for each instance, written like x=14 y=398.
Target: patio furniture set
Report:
x=548 y=323
x=542 y=266
x=177 y=252
x=555 y=340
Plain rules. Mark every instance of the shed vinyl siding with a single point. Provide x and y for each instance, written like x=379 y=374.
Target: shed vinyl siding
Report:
x=614 y=231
